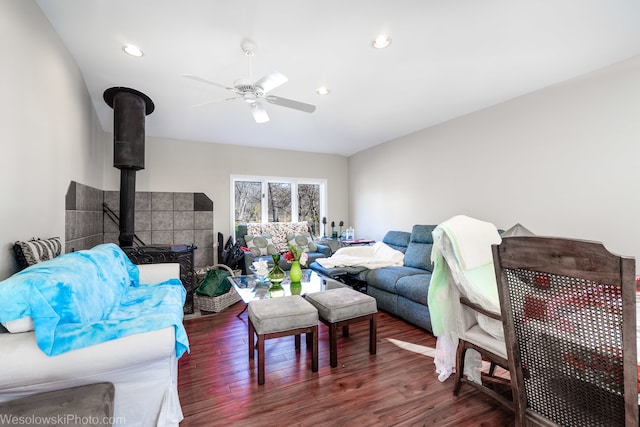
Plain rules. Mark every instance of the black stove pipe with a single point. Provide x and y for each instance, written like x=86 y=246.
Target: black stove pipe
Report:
x=129 y=110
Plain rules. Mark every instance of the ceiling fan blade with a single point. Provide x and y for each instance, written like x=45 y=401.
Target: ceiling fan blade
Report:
x=209 y=82
x=259 y=113
x=218 y=101
x=289 y=103
x=271 y=81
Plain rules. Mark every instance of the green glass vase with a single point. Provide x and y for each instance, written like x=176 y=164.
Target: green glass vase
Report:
x=276 y=275
x=296 y=288
x=295 y=274
x=276 y=290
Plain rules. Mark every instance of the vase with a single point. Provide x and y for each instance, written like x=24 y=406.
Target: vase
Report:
x=296 y=288
x=276 y=275
x=276 y=290
x=295 y=274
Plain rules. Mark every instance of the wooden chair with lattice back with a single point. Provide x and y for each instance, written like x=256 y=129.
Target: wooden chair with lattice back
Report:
x=569 y=314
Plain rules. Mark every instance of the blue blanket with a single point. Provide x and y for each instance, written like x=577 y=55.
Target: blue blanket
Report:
x=88 y=297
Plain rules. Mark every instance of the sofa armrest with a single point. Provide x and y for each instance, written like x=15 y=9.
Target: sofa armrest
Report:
x=248 y=260
x=324 y=249
x=157 y=273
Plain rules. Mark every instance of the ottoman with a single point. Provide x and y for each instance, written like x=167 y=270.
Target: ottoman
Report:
x=90 y=404
x=279 y=317
x=338 y=308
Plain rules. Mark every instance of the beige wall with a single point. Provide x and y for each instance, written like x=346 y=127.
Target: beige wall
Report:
x=561 y=161
x=49 y=129
x=187 y=166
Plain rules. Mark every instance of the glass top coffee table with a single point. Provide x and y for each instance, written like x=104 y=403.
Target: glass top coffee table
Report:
x=249 y=288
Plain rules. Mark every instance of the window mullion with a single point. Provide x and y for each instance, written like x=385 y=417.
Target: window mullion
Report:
x=294 y=201
x=265 y=201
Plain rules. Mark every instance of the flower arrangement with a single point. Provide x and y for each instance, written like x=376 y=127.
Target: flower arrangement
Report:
x=261 y=269
x=296 y=254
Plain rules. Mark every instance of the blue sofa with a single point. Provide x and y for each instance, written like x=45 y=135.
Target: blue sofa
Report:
x=403 y=290
x=400 y=290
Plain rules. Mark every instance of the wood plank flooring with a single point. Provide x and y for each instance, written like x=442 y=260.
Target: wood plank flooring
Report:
x=398 y=386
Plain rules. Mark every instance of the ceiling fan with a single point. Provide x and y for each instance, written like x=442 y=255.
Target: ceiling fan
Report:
x=254 y=93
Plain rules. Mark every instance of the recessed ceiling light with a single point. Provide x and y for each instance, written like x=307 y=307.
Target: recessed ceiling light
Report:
x=381 y=42
x=322 y=91
x=132 y=50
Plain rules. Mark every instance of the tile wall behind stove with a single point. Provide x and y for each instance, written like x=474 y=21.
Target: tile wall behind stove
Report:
x=165 y=218
x=83 y=217
x=161 y=218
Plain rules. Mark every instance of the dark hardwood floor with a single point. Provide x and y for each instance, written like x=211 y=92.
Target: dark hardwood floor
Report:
x=396 y=387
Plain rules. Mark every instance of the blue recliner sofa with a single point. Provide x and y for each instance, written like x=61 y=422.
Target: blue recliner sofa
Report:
x=403 y=290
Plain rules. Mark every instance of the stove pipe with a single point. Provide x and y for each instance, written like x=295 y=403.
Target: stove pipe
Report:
x=129 y=110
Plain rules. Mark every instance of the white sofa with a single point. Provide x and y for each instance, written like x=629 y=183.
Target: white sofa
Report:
x=142 y=367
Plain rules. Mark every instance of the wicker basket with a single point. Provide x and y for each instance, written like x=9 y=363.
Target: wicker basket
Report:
x=214 y=304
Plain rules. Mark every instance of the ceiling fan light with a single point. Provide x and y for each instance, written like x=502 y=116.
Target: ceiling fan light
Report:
x=381 y=42
x=259 y=113
x=322 y=90
x=132 y=50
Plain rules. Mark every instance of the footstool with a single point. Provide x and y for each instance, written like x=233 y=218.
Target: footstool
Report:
x=82 y=405
x=338 y=308
x=279 y=317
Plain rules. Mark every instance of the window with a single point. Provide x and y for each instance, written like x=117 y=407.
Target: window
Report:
x=265 y=199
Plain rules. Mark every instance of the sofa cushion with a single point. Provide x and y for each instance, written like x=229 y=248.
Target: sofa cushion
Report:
x=24 y=324
x=386 y=278
x=414 y=287
x=260 y=245
x=278 y=231
x=418 y=254
x=302 y=240
x=35 y=251
x=398 y=240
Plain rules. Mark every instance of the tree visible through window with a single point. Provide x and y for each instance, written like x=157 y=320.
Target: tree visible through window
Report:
x=278 y=200
x=309 y=206
x=248 y=198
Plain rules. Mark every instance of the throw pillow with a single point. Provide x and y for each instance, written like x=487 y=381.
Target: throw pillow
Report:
x=304 y=241
x=260 y=245
x=24 y=324
x=35 y=251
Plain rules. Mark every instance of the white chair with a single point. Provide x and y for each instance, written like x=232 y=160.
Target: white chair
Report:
x=465 y=305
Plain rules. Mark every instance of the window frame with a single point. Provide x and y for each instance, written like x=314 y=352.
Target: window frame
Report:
x=265 y=180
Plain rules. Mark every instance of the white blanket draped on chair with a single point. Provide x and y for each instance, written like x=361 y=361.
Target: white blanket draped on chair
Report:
x=463 y=264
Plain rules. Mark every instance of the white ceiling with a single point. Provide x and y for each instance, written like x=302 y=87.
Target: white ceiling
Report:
x=447 y=58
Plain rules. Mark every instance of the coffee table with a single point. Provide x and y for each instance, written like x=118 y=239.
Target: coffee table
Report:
x=249 y=288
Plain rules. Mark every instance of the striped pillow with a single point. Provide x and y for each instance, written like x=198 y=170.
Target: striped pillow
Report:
x=35 y=251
